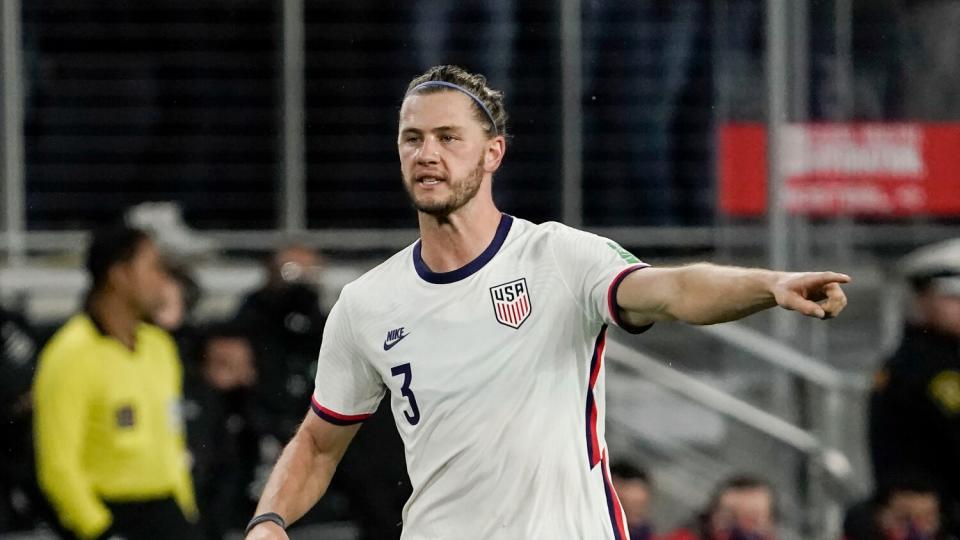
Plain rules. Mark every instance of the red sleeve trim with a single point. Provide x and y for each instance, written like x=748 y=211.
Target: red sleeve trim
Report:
x=334 y=417
x=612 y=300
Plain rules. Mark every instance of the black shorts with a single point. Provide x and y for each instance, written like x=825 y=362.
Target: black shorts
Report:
x=156 y=519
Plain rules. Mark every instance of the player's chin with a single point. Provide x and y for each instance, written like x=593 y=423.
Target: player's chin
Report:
x=433 y=207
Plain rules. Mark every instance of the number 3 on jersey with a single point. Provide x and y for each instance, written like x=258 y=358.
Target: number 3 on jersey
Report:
x=413 y=415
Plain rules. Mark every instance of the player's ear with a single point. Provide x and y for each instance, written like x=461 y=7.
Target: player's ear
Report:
x=496 y=148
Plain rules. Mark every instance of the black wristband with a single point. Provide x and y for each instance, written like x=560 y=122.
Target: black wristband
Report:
x=269 y=516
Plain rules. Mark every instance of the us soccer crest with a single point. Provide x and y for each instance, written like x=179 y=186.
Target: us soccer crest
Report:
x=511 y=302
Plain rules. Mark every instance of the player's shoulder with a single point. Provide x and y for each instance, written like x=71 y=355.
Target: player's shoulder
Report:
x=557 y=228
x=522 y=229
x=562 y=237
x=381 y=277
x=571 y=245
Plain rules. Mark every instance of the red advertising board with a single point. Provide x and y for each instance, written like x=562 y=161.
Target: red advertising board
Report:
x=865 y=169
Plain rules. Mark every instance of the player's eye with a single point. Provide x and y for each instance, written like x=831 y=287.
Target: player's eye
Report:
x=447 y=138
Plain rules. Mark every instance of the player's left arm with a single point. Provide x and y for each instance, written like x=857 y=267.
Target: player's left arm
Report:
x=707 y=294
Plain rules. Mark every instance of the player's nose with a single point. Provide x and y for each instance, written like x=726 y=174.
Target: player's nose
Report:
x=429 y=151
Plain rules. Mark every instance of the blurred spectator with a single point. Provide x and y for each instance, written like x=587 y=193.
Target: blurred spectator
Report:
x=632 y=485
x=19 y=494
x=741 y=508
x=915 y=405
x=220 y=432
x=738 y=57
x=180 y=294
x=492 y=24
x=640 y=58
x=110 y=444
x=220 y=372
x=906 y=508
x=931 y=75
x=877 y=78
x=285 y=325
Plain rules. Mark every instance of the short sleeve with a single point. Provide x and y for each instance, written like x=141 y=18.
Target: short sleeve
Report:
x=347 y=389
x=593 y=267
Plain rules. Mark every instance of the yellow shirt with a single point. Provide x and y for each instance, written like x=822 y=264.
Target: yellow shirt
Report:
x=107 y=423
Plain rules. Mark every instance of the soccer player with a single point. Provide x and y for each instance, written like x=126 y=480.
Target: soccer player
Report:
x=489 y=332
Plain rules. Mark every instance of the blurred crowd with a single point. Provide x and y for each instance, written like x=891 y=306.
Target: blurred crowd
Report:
x=143 y=415
x=135 y=419
x=657 y=79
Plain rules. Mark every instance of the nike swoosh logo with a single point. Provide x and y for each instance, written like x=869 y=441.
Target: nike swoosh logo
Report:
x=387 y=345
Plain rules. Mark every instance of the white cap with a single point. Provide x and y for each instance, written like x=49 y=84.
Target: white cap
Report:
x=935 y=267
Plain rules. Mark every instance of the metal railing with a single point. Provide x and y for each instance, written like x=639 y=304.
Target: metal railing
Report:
x=717 y=400
x=783 y=356
x=11 y=136
x=829 y=478
x=714 y=238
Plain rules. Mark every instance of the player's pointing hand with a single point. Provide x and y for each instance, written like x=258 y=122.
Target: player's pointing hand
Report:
x=815 y=294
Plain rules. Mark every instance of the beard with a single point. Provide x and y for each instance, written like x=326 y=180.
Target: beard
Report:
x=464 y=189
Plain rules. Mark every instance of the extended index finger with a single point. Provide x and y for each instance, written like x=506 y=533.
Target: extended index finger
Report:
x=822 y=278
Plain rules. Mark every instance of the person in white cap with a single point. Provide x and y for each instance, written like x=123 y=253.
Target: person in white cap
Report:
x=915 y=404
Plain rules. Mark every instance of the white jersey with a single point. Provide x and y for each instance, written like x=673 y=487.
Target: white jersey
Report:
x=496 y=380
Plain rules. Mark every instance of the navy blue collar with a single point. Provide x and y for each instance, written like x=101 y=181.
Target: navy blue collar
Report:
x=471 y=267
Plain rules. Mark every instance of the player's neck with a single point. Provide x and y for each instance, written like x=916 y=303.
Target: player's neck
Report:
x=449 y=243
x=116 y=317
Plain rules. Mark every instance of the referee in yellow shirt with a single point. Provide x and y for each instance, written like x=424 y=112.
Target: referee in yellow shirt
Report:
x=109 y=434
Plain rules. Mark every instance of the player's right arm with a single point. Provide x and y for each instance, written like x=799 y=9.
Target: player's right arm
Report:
x=302 y=474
